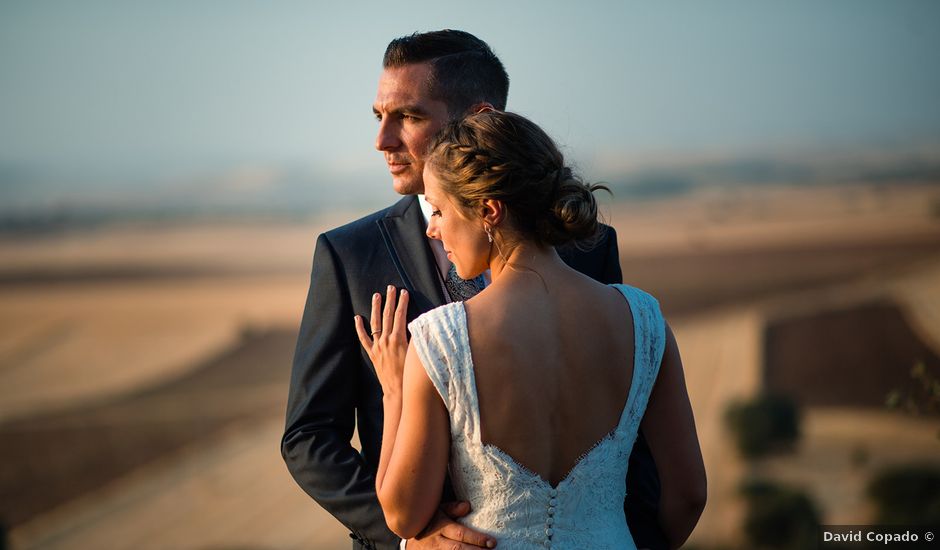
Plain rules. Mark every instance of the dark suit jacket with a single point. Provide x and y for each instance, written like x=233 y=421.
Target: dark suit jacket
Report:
x=333 y=384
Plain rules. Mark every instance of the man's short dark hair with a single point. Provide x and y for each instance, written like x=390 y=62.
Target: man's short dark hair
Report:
x=464 y=70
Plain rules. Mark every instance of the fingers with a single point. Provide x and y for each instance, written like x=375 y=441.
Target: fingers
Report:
x=401 y=315
x=460 y=533
x=457 y=509
x=392 y=318
x=364 y=337
x=374 y=319
x=388 y=312
x=389 y=320
x=444 y=532
x=439 y=542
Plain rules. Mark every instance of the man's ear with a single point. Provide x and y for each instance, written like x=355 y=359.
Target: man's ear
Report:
x=493 y=212
x=481 y=107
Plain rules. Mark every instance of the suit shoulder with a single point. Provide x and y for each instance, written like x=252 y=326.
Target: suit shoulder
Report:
x=356 y=228
x=359 y=234
x=605 y=238
x=366 y=227
x=607 y=231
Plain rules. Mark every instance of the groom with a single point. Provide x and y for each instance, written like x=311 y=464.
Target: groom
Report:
x=427 y=79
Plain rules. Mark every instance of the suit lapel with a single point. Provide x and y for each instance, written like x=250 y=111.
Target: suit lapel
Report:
x=403 y=231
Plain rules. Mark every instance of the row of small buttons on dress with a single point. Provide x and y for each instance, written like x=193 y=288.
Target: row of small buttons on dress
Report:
x=550 y=520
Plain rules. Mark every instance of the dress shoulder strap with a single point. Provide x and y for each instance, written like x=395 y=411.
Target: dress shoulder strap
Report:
x=649 y=328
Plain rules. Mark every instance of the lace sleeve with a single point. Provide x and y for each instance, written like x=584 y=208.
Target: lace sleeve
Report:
x=432 y=359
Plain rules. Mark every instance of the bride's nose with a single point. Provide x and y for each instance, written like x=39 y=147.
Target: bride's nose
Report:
x=433 y=232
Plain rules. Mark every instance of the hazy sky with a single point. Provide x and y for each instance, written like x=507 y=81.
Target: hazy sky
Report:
x=170 y=87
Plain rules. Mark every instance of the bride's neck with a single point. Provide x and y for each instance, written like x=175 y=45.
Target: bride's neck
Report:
x=524 y=257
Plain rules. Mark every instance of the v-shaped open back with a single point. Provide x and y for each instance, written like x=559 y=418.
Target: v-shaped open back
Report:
x=494 y=448
x=508 y=500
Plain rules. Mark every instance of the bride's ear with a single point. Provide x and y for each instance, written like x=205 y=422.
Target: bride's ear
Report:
x=493 y=212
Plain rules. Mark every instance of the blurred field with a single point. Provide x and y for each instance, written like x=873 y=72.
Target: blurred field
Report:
x=143 y=369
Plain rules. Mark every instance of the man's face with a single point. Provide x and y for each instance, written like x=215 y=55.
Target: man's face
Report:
x=408 y=119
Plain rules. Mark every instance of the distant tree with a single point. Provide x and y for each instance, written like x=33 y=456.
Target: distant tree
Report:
x=779 y=517
x=935 y=208
x=765 y=424
x=907 y=495
x=923 y=398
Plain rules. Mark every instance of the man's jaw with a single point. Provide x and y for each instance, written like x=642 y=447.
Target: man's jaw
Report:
x=406 y=184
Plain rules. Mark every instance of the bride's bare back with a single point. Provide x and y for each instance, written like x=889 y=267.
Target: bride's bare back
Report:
x=553 y=361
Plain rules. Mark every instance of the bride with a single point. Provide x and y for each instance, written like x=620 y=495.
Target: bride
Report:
x=533 y=390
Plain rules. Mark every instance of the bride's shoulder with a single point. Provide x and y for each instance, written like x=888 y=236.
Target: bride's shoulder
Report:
x=441 y=316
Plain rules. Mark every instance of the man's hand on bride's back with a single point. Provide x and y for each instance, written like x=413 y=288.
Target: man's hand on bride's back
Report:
x=444 y=533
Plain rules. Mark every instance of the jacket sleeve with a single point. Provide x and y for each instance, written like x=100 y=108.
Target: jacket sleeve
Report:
x=641 y=507
x=321 y=408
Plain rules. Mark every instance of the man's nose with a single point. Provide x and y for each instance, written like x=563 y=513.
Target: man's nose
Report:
x=387 y=139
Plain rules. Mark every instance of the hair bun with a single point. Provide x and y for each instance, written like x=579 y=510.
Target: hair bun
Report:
x=573 y=214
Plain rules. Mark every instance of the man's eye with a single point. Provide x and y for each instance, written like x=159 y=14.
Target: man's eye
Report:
x=436 y=213
x=378 y=117
x=411 y=118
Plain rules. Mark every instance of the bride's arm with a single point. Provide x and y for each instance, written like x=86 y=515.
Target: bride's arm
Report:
x=416 y=430
x=416 y=436
x=415 y=448
x=670 y=431
x=416 y=440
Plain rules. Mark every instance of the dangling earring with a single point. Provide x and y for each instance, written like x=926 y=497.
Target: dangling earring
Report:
x=489 y=232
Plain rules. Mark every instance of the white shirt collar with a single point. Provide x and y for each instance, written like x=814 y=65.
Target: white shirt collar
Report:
x=425 y=208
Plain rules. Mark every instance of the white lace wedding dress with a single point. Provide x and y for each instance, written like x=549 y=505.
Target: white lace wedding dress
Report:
x=515 y=505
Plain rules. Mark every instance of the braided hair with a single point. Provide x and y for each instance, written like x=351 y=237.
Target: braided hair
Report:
x=506 y=157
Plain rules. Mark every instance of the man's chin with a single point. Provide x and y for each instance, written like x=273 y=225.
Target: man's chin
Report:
x=407 y=186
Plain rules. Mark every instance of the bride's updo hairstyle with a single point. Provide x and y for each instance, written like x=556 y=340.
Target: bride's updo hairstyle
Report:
x=506 y=157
